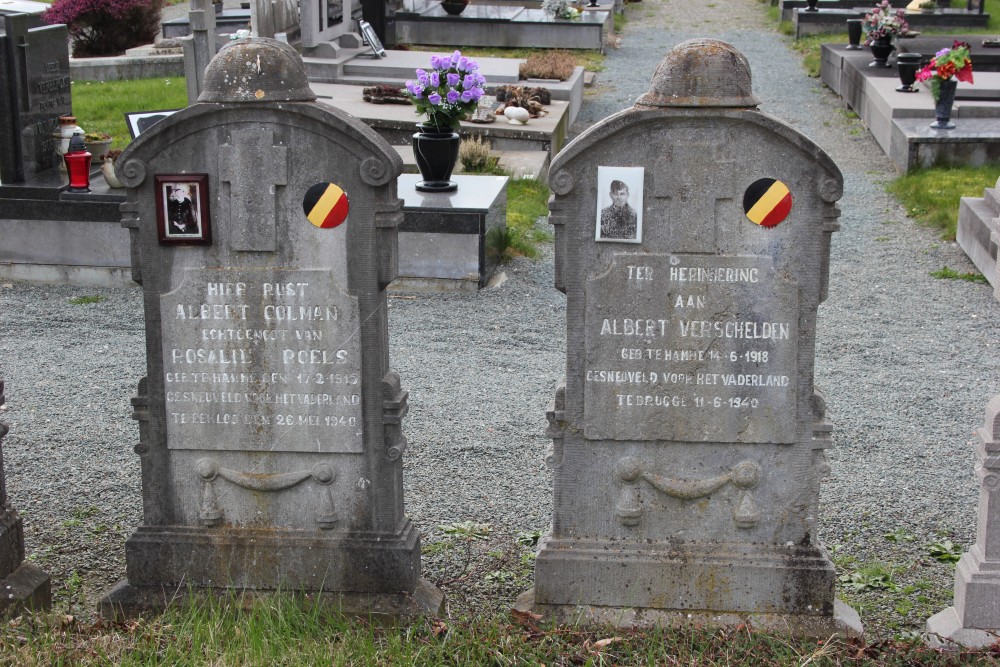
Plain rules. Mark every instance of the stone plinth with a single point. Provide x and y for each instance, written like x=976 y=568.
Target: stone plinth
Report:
x=978 y=231
x=444 y=238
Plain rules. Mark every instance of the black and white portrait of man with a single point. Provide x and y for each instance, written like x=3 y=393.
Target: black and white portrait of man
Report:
x=619 y=211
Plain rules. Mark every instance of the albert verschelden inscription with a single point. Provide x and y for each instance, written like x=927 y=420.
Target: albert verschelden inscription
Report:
x=262 y=360
x=690 y=348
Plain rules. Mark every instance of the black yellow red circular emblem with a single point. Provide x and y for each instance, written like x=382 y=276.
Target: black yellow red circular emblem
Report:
x=325 y=205
x=767 y=202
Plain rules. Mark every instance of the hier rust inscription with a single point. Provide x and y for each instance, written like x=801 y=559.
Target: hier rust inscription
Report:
x=691 y=348
x=265 y=360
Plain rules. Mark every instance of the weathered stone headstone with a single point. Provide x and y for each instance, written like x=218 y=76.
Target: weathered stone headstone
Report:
x=34 y=92
x=974 y=619
x=327 y=26
x=276 y=19
x=200 y=47
x=692 y=242
x=22 y=585
x=270 y=423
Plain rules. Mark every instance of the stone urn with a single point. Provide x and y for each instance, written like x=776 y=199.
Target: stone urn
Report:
x=907 y=65
x=436 y=151
x=454 y=7
x=881 y=49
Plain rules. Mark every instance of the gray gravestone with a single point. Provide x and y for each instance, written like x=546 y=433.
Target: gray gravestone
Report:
x=327 y=26
x=974 y=620
x=276 y=19
x=22 y=585
x=689 y=440
x=35 y=91
x=270 y=423
x=200 y=47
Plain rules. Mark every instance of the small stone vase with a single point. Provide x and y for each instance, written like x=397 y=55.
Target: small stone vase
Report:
x=436 y=152
x=907 y=64
x=943 y=104
x=854 y=34
x=881 y=50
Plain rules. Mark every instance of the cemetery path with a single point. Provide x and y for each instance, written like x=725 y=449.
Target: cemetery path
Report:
x=907 y=363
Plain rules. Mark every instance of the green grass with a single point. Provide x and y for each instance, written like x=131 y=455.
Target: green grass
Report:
x=286 y=630
x=946 y=273
x=931 y=196
x=100 y=106
x=591 y=59
x=809 y=48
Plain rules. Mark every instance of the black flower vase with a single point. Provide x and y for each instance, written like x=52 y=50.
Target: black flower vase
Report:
x=811 y=5
x=943 y=104
x=907 y=64
x=854 y=34
x=436 y=152
x=881 y=48
x=454 y=7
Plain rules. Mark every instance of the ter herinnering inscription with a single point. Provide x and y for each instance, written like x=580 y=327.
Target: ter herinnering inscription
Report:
x=251 y=359
x=690 y=348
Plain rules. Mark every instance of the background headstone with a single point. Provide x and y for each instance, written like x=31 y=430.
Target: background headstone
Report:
x=689 y=439
x=327 y=25
x=34 y=92
x=276 y=19
x=270 y=423
x=974 y=619
x=22 y=585
x=200 y=47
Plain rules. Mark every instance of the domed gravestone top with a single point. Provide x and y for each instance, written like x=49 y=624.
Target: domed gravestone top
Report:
x=692 y=243
x=264 y=234
x=256 y=70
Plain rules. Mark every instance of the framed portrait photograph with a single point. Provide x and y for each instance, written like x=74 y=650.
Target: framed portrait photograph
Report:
x=619 y=204
x=182 y=215
x=140 y=121
x=371 y=39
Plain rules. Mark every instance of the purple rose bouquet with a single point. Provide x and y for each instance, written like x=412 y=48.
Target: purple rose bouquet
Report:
x=449 y=91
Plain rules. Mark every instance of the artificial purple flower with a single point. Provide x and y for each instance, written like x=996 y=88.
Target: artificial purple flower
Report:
x=434 y=99
x=463 y=64
x=942 y=52
x=453 y=79
x=435 y=79
x=415 y=88
x=476 y=93
x=436 y=62
x=452 y=96
x=469 y=81
x=455 y=57
x=467 y=96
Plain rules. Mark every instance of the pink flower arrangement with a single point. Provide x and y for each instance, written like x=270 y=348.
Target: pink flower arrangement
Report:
x=947 y=63
x=884 y=22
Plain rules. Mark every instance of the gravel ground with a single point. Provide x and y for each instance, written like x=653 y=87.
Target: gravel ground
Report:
x=907 y=363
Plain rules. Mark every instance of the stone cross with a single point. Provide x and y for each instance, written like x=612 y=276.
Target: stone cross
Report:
x=695 y=192
x=254 y=167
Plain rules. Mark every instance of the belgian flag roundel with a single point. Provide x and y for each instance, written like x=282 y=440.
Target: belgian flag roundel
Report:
x=767 y=202
x=326 y=205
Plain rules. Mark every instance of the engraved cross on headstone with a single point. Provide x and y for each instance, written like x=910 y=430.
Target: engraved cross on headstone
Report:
x=695 y=180
x=254 y=167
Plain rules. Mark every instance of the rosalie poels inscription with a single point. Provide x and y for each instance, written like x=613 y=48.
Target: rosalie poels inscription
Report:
x=690 y=348
x=262 y=363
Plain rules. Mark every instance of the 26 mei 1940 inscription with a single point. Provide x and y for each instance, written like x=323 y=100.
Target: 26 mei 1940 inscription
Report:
x=266 y=362
x=690 y=348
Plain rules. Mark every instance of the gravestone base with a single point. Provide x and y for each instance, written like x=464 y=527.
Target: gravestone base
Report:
x=945 y=631
x=127 y=601
x=784 y=588
x=28 y=587
x=844 y=621
x=176 y=558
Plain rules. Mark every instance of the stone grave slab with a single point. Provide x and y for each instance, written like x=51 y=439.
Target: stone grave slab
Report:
x=688 y=437
x=264 y=231
x=35 y=85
